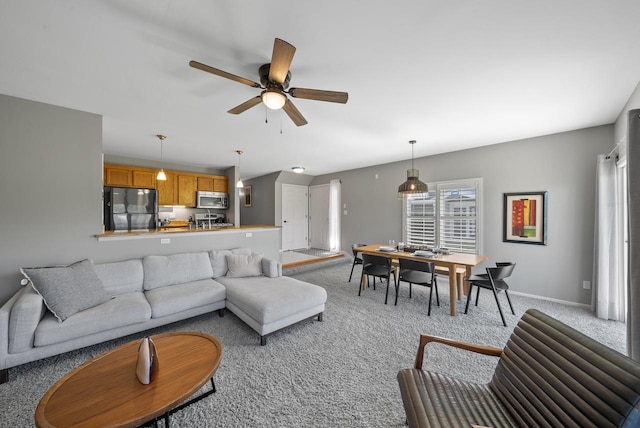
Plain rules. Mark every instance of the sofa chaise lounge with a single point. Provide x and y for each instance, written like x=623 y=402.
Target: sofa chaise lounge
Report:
x=64 y=308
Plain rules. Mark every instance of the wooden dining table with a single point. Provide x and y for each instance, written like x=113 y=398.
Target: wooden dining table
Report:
x=451 y=261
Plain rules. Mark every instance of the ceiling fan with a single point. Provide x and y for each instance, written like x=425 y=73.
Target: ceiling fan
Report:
x=274 y=82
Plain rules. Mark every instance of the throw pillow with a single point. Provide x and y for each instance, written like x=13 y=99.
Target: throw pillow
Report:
x=67 y=290
x=242 y=265
x=219 y=259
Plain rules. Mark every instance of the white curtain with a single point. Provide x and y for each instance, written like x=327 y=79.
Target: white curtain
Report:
x=608 y=300
x=334 y=214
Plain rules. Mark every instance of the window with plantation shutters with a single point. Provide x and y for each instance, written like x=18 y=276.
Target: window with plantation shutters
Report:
x=446 y=217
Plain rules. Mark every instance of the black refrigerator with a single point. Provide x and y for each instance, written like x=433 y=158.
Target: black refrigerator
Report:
x=130 y=209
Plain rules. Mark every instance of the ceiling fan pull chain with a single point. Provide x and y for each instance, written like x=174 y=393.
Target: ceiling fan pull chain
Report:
x=266 y=115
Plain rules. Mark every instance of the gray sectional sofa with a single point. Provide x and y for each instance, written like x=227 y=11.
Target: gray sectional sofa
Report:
x=64 y=308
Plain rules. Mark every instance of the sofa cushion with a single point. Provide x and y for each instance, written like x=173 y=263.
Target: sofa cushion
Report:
x=67 y=290
x=121 y=277
x=271 y=268
x=219 y=259
x=25 y=315
x=271 y=299
x=160 y=271
x=125 y=309
x=242 y=265
x=176 y=298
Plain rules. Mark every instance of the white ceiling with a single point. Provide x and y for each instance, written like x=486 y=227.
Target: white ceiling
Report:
x=450 y=74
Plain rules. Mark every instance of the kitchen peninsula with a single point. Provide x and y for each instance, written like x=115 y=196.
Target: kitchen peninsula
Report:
x=180 y=231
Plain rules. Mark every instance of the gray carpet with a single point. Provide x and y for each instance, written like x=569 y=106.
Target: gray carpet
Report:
x=337 y=373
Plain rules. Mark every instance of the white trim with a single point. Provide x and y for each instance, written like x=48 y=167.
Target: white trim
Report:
x=549 y=299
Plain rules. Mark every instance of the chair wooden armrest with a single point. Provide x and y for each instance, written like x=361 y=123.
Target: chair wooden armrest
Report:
x=480 y=349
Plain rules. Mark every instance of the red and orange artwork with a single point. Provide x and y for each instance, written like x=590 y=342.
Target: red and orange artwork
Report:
x=523 y=218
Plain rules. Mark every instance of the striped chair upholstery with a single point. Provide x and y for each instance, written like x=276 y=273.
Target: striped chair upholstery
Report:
x=548 y=375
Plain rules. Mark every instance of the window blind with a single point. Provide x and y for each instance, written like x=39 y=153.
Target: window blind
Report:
x=445 y=217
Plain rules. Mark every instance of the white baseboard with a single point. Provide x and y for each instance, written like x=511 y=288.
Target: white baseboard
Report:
x=533 y=296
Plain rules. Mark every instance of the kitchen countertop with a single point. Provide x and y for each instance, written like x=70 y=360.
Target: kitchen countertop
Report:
x=126 y=234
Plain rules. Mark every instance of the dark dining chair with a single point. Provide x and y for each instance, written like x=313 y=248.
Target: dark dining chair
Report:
x=357 y=259
x=420 y=273
x=493 y=280
x=377 y=267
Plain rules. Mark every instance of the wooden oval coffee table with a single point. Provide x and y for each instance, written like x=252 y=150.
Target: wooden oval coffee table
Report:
x=105 y=391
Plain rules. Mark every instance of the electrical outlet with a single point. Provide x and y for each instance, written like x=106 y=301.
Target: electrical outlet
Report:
x=165 y=241
x=248 y=234
x=586 y=285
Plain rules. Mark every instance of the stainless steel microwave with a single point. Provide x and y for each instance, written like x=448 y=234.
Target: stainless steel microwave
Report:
x=215 y=200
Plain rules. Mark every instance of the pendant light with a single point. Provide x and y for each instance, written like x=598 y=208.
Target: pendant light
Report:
x=413 y=185
x=239 y=183
x=161 y=175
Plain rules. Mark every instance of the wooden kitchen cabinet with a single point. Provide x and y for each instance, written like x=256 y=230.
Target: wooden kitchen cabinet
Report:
x=221 y=184
x=117 y=175
x=213 y=183
x=168 y=189
x=145 y=178
x=179 y=188
x=187 y=186
x=205 y=183
x=128 y=176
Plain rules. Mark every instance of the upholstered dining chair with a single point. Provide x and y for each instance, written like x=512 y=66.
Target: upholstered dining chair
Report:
x=493 y=280
x=377 y=267
x=357 y=259
x=420 y=273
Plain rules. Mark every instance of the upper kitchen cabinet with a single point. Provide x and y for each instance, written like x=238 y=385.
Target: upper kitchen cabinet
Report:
x=187 y=186
x=221 y=184
x=168 y=189
x=179 y=188
x=213 y=183
x=205 y=183
x=127 y=176
x=116 y=175
x=144 y=178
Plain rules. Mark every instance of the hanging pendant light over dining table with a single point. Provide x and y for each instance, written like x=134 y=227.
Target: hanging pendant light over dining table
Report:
x=413 y=185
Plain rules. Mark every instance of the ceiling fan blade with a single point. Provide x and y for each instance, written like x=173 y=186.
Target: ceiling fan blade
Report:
x=318 y=95
x=294 y=113
x=246 y=105
x=281 y=60
x=209 y=69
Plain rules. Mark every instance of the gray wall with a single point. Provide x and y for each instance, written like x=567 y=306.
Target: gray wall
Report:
x=51 y=175
x=263 y=201
x=562 y=164
x=266 y=195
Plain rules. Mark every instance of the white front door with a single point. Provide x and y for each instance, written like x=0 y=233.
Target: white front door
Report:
x=295 y=217
x=319 y=221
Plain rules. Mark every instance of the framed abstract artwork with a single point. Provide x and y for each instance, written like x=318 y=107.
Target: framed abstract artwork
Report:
x=525 y=218
x=247 y=196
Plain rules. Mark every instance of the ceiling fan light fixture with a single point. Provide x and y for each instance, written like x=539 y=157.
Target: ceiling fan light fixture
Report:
x=413 y=185
x=298 y=169
x=273 y=98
